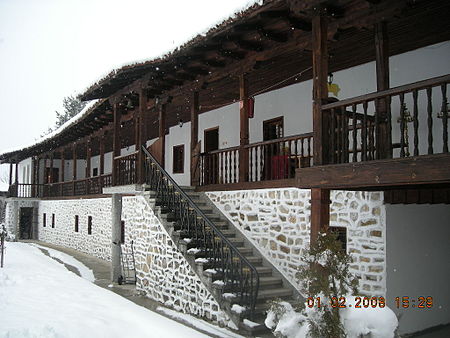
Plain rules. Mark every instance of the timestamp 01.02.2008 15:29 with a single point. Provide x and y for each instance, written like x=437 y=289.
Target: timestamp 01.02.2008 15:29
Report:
x=373 y=302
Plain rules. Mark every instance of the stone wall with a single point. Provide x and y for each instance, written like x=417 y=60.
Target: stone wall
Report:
x=12 y=215
x=277 y=221
x=163 y=274
x=63 y=233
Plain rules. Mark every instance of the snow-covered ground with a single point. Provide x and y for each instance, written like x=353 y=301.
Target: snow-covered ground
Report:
x=39 y=297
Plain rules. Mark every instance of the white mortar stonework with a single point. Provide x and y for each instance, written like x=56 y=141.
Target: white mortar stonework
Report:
x=277 y=221
x=97 y=244
x=12 y=214
x=163 y=274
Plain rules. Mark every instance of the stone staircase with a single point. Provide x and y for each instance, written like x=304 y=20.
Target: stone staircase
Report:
x=272 y=285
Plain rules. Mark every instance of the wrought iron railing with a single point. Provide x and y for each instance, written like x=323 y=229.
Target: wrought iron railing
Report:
x=238 y=274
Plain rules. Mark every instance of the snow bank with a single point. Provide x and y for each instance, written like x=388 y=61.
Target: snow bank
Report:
x=39 y=298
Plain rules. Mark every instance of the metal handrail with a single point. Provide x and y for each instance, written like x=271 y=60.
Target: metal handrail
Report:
x=238 y=269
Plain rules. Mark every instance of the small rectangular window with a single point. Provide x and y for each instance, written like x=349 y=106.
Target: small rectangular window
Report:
x=53 y=220
x=122 y=232
x=89 y=225
x=76 y=223
x=341 y=236
x=178 y=159
x=44 y=219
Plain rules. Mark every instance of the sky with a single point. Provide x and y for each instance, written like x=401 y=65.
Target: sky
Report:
x=50 y=49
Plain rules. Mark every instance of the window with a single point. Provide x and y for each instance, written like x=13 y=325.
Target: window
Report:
x=341 y=236
x=178 y=159
x=95 y=172
x=44 y=219
x=273 y=129
x=122 y=232
x=76 y=223
x=89 y=225
x=53 y=220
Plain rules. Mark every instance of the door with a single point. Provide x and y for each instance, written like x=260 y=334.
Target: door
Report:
x=26 y=223
x=211 y=164
x=51 y=175
x=275 y=161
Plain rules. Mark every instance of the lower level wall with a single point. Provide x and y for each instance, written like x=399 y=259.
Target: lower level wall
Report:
x=277 y=221
x=163 y=273
x=59 y=226
x=418 y=249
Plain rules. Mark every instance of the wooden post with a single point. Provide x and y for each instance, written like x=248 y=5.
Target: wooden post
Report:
x=195 y=152
x=142 y=135
x=116 y=141
x=33 y=176
x=10 y=173
x=51 y=180
x=320 y=90
x=244 y=129
x=102 y=154
x=88 y=163
x=63 y=165
x=320 y=198
x=162 y=133
x=74 y=166
x=17 y=171
x=38 y=169
x=383 y=135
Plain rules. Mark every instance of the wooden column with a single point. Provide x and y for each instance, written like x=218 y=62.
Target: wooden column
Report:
x=88 y=156
x=17 y=171
x=116 y=140
x=10 y=173
x=162 y=134
x=38 y=169
x=142 y=135
x=102 y=153
x=383 y=134
x=244 y=129
x=33 y=176
x=74 y=166
x=320 y=198
x=195 y=149
x=63 y=166
x=51 y=180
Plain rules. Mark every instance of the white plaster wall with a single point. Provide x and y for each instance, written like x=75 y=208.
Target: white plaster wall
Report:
x=163 y=274
x=178 y=136
x=98 y=244
x=418 y=263
x=277 y=221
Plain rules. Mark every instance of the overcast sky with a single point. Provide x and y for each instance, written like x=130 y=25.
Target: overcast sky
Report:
x=50 y=49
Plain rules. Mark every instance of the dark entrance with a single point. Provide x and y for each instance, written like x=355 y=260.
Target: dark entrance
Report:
x=51 y=175
x=212 y=162
x=26 y=223
x=275 y=160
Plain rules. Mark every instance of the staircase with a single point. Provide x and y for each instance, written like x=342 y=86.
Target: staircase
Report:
x=235 y=273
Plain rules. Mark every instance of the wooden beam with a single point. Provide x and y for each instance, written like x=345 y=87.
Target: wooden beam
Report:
x=427 y=169
x=320 y=205
x=194 y=139
x=17 y=170
x=102 y=153
x=88 y=157
x=74 y=161
x=51 y=180
x=383 y=134
x=10 y=173
x=63 y=164
x=142 y=135
x=244 y=129
x=162 y=134
x=116 y=140
x=320 y=212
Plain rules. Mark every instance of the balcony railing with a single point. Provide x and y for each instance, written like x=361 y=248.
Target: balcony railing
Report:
x=269 y=160
x=126 y=169
x=405 y=121
x=87 y=186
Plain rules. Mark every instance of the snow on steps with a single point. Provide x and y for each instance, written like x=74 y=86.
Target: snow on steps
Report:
x=271 y=287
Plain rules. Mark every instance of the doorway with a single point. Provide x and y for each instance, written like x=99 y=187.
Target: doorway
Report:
x=26 y=223
x=211 y=137
x=276 y=162
x=51 y=175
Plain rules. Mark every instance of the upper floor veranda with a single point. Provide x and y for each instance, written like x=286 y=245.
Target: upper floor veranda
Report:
x=252 y=105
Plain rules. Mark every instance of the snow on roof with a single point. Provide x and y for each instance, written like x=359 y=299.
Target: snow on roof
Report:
x=85 y=112
x=224 y=20
x=218 y=23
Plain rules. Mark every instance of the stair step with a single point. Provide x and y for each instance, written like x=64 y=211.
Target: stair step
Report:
x=263 y=271
x=270 y=281
x=264 y=295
